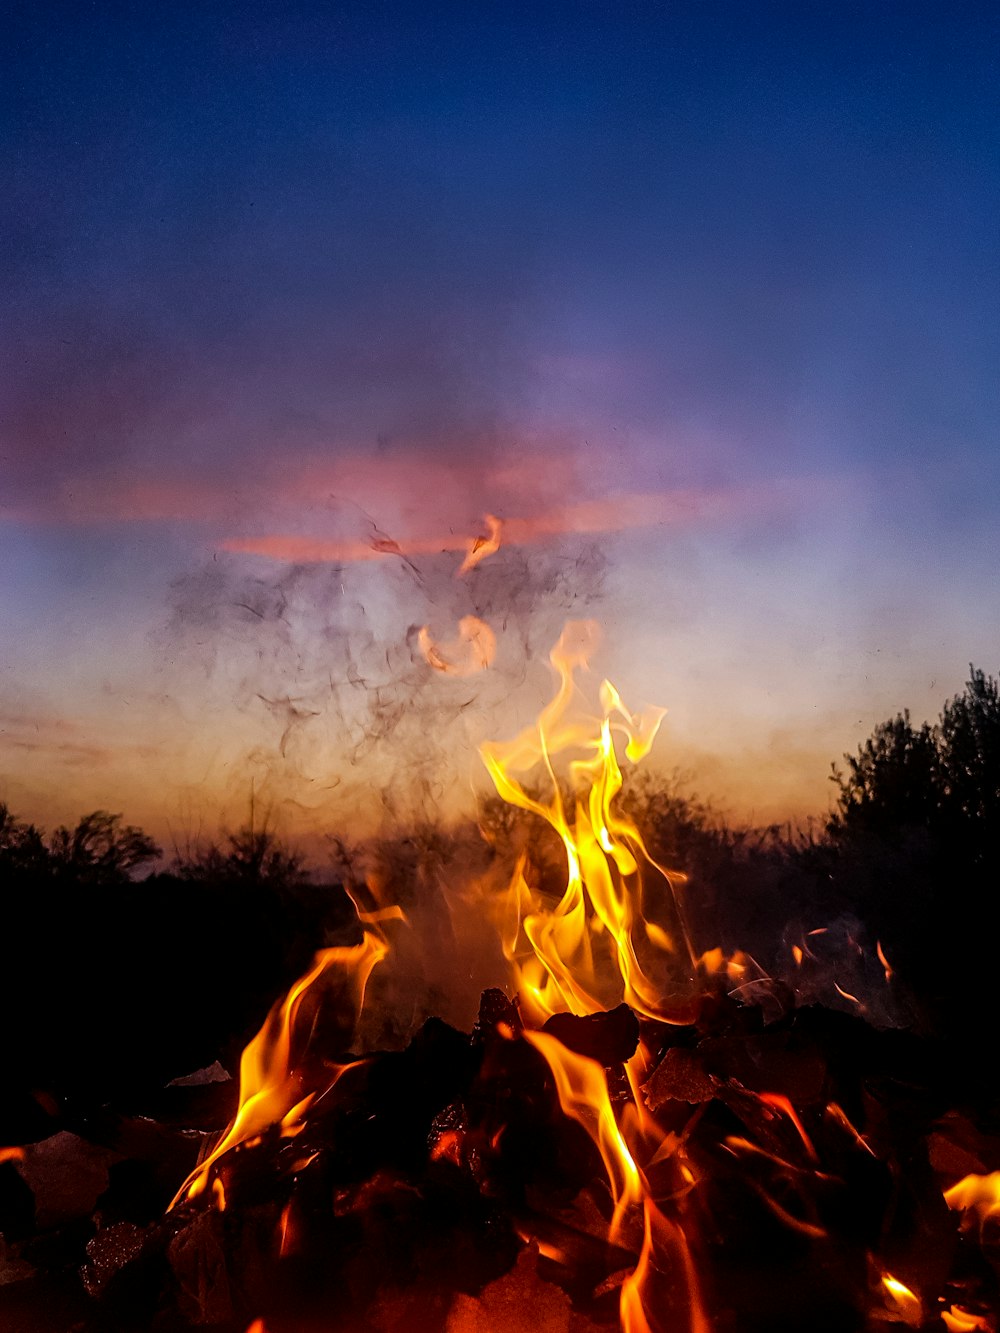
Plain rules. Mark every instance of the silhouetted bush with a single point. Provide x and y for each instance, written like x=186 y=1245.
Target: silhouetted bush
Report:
x=914 y=846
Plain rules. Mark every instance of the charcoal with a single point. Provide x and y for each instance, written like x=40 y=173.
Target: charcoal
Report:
x=109 y=1252
x=17 y=1203
x=495 y=1008
x=67 y=1175
x=680 y=1076
x=609 y=1038
x=12 y=1267
x=503 y=1305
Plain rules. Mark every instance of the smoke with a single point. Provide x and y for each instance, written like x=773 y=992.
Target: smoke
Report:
x=313 y=678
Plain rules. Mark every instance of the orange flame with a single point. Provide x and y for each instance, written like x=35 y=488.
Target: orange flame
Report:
x=884 y=961
x=583 y=1094
x=478 y=548
x=270 y=1090
x=901 y=1301
x=980 y=1194
x=616 y=933
x=472 y=651
x=582 y=1088
x=958 y=1320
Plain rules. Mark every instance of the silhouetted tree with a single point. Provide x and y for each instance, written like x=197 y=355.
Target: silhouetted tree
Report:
x=101 y=849
x=252 y=856
x=21 y=846
x=892 y=784
x=914 y=847
x=941 y=781
x=969 y=757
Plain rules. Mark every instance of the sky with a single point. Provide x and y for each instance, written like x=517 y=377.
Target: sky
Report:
x=699 y=299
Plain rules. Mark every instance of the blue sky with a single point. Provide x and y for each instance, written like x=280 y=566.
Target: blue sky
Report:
x=321 y=271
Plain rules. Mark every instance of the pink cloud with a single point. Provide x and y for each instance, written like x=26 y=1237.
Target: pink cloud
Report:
x=591 y=517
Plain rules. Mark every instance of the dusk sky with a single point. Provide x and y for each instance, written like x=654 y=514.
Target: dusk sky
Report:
x=701 y=299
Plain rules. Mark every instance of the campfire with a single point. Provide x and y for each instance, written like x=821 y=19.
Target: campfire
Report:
x=631 y=1136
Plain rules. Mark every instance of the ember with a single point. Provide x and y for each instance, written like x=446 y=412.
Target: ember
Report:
x=634 y=1137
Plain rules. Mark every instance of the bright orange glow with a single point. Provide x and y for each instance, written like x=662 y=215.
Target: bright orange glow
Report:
x=472 y=651
x=11 y=1154
x=270 y=1092
x=448 y=1145
x=257 y=1327
x=902 y=1302
x=478 y=548
x=980 y=1194
x=616 y=933
x=847 y=994
x=957 y=1320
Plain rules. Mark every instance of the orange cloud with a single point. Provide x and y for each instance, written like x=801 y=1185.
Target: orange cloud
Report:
x=587 y=517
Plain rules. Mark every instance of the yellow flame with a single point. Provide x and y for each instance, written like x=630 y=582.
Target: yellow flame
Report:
x=902 y=1301
x=616 y=933
x=980 y=1194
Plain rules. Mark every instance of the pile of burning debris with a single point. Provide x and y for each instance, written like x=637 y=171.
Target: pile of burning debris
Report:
x=631 y=1138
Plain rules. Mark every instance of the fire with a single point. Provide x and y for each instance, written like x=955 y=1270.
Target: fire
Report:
x=616 y=933
x=472 y=651
x=583 y=1094
x=271 y=1092
x=480 y=547
x=901 y=1301
x=978 y=1194
x=958 y=1320
x=613 y=933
